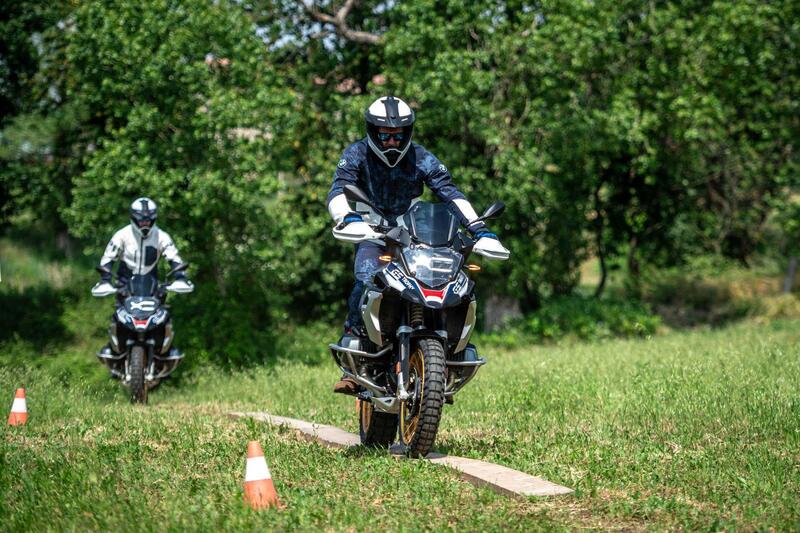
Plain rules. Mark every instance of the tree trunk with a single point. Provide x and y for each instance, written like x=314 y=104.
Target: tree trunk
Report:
x=64 y=244
x=598 y=236
x=633 y=262
x=499 y=309
x=788 y=282
x=603 y=273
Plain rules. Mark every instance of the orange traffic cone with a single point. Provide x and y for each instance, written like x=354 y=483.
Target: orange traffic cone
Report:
x=259 y=491
x=19 y=410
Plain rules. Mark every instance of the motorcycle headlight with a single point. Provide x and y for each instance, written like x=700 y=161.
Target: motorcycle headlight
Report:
x=432 y=266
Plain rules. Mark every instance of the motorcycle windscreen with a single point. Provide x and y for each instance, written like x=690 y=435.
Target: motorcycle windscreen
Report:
x=142 y=285
x=431 y=224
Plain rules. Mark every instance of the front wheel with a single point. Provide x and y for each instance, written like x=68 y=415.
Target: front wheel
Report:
x=136 y=365
x=420 y=414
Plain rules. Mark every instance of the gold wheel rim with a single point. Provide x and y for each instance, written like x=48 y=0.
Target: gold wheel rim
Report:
x=366 y=415
x=416 y=371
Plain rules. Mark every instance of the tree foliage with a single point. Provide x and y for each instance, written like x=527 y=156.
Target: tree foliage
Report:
x=641 y=132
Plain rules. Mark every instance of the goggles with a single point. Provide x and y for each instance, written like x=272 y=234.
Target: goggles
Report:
x=399 y=136
x=144 y=222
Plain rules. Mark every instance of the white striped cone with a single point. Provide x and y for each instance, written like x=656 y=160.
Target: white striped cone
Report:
x=259 y=491
x=19 y=410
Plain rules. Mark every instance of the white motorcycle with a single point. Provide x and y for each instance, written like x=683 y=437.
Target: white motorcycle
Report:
x=141 y=331
x=419 y=313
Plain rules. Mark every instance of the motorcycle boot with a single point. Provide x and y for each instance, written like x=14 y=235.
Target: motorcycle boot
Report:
x=353 y=337
x=175 y=353
x=106 y=351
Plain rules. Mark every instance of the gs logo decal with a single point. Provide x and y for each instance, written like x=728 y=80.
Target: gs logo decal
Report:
x=342 y=163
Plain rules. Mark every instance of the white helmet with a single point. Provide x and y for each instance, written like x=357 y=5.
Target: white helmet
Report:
x=389 y=112
x=143 y=216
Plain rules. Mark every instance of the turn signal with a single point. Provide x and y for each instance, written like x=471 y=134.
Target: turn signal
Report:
x=473 y=267
x=385 y=258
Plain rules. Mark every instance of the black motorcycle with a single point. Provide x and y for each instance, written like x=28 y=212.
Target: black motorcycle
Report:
x=418 y=312
x=141 y=331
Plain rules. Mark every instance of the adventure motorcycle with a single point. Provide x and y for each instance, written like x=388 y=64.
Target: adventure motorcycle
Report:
x=418 y=312
x=141 y=331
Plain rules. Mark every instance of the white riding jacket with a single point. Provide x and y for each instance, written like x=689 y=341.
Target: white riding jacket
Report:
x=140 y=255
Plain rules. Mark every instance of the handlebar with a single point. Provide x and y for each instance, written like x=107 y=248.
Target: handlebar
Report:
x=122 y=289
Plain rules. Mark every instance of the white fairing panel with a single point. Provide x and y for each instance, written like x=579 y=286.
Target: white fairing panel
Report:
x=180 y=286
x=356 y=232
x=491 y=248
x=370 y=314
x=103 y=288
x=469 y=323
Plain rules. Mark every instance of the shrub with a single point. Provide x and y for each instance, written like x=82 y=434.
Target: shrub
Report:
x=580 y=317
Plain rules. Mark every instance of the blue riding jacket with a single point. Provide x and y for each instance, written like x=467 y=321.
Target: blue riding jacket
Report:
x=392 y=189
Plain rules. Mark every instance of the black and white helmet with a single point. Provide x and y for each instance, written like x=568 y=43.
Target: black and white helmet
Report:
x=143 y=216
x=389 y=112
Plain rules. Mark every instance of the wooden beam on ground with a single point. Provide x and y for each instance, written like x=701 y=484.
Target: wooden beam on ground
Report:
x=501 y=479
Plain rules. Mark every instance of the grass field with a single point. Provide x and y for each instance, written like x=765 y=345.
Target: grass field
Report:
x=697 y=430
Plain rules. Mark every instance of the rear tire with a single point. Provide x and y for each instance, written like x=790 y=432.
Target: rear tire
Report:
x=376 y=428
x=420 y=414
x=136 y=366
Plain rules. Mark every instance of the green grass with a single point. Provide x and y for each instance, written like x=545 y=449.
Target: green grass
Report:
x=697 y=430
x=694 y=430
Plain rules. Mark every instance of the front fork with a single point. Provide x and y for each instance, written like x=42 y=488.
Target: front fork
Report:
x=149 y=362
x=404 y=341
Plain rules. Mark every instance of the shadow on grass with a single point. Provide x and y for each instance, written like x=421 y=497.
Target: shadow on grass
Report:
x=358 y=452
x=684 y=302
x=34 y=315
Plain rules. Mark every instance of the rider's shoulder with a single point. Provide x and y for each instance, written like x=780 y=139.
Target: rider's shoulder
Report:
x=163 y=236
x=421 y=152
x=123 y=233
x=425 y=159
x=354 y=155
x=358 y=148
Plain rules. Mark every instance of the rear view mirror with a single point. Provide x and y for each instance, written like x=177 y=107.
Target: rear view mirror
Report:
x=399 y=235
x=354 y=194
x=494 y=210
x=179 y=268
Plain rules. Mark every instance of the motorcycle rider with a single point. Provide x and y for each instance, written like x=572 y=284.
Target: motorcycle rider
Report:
x=392 y=171
x=139 y=245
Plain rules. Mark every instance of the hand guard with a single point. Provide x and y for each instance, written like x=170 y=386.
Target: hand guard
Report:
x=355 y=232
x=103 y=288
x=180 y=286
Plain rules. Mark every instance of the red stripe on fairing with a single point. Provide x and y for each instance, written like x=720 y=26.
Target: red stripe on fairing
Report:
x=140 y=322
x=430 y=293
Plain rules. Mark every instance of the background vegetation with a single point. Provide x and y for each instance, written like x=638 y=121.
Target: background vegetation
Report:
x=640 y=134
